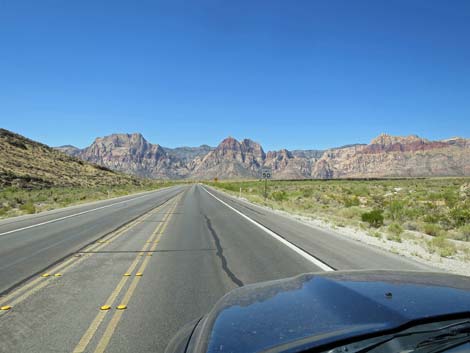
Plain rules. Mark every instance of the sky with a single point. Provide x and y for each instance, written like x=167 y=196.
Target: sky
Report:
x=288 y=74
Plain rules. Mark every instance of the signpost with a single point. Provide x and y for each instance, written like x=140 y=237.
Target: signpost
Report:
x=266 y=174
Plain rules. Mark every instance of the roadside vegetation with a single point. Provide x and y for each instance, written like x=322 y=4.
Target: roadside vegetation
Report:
x=18 y=201
x=435 y=211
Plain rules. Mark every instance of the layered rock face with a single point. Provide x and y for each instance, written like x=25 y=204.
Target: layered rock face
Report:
x=395 y=156
x=231 y=159
x=133 y=154
x=385 y=156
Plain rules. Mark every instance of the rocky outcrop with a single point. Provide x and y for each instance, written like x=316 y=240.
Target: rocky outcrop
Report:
x=231 y=159
x=133 y=154
x=396 y=156
x=187 y=154
x=287 y=166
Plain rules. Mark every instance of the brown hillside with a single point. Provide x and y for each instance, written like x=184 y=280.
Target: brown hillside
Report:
x=25 y=163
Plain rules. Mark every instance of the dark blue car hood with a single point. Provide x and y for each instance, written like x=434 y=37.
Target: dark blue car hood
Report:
x=317 y=309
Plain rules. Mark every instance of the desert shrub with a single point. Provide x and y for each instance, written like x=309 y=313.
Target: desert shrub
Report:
x=307 y=192
x=465 y=232
x=375 y=218
x=350 y=213
x=28 y=207
x=4 y=210
x=279 y=195
x=229 y=186
x=394 y=231
x=375 y=234
x=431 y=218
x=411 y=225
x=431 y=229
x=351 y=201
x=450 y=197
x=460 y=216
x=360 y=190
x=395 y=210
x=442 y=246
x=379 y=200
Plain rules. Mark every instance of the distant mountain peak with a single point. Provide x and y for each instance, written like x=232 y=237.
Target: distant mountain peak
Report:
x=386 y=155
x=386 y=139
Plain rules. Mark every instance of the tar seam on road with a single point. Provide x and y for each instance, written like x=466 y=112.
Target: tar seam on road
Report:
x=220 y=254
x=306 y=255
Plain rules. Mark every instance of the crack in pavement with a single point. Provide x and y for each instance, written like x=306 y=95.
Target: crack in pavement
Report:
x=220 y=254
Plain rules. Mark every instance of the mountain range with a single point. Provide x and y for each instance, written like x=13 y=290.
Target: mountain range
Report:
x=384 y=156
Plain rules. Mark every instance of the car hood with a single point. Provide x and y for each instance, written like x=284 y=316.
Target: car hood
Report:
x=313 y=310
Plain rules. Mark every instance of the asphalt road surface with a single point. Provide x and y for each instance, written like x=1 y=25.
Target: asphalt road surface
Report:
x=166 y=256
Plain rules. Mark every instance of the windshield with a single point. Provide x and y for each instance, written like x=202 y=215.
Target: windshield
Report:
x=451 y=336
x=159 y=157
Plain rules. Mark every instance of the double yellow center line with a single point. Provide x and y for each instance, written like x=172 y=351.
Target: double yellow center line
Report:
x=149 y=246
x=25 y=291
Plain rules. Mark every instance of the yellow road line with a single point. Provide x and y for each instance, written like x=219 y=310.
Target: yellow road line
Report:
x=39 y=283
x=103 y=343
x=107 y=335
x=90 y=332
x=86 y=338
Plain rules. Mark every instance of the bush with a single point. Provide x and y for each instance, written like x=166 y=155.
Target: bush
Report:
x=307 y=192
x=279 y=195
x=465 y=232
x=395 y=210
x=432 y=229
x=350 y=213
x=375 y=218
x=442 y=246
x=351 y=201
x=410 y=225
x=375 y=234
x=460 y=216
x=394 y=231
x=28 y=207
x=4 y=210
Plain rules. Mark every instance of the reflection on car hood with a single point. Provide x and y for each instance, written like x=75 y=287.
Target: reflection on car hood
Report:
x=327 y=307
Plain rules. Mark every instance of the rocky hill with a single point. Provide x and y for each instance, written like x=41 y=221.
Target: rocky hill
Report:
x=133 y=154
x=396 y=156
x=25 y=163
x=385 y=156
x=231 y=159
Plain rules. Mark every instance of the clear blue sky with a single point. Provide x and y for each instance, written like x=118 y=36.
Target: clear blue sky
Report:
x=295 y=74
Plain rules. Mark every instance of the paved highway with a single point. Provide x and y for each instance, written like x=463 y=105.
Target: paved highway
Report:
x=166 y=256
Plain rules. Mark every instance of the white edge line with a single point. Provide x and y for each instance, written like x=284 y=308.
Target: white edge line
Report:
x=298 y=250
x=75 y=214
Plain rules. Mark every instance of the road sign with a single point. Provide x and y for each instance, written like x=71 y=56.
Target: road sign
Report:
x=266 y=173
